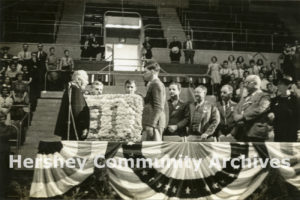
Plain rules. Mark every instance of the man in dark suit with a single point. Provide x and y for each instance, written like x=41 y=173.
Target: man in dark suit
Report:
x=178 y=115
x=226 y=107
x=73 y=120
x=204 y=117
x=188 y=49
x=175 y=50
x=251 y=113
x=41 y=61
x=155 y=111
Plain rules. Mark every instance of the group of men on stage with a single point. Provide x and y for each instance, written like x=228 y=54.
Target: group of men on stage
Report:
x=251 y=119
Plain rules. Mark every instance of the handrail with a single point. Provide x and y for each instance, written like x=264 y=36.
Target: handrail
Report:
x=34 y=22
x=223 y=32
x=227 y=21
x=110 y=7
x=218 y=13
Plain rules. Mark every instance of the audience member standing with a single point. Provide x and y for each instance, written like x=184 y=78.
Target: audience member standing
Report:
x=188 y=50
x=214 y=72
x=41 y=58
x=175 y=50
x=52 y=68
x=225 y=73
x=34 y=86
x=178 y=114
x=155 y=113
x=66 y=66
x=147 y=47
x=24 y=55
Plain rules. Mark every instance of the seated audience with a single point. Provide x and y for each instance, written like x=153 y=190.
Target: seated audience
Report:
x=240 y=92
x=15 y=60
x=259 y=64
x=204 y=117
x=241 y=60
x=271 y=90
x=20 y=90
x=275 y=72
x=225 y=73
x=231 y=62
x=12 y=71
x=7 y=83
x=295 y=88
x=264 y=81
x=253 y=68
x=26 y=74
x=6 y=103
x=238 y=72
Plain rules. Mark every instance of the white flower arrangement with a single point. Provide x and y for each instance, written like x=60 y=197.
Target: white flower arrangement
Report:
x=115 y=117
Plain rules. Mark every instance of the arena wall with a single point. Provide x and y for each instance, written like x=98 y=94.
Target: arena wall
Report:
x=168 y=3
x=159 y=54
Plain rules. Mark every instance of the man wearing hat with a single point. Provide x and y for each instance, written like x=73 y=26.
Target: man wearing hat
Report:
x=285 y=110
x=4 y=53
x=5 y=57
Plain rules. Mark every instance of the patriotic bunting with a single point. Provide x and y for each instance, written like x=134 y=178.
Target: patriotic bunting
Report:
x=159 y=170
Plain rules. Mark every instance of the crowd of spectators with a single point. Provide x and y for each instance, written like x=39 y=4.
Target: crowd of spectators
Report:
x=22 y=78
x=234 y=72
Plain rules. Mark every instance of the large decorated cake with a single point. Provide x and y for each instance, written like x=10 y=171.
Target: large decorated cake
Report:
x=115 y=117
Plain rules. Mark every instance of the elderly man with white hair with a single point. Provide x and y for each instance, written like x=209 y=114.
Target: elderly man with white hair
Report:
x=74 y=118
x=251 y=113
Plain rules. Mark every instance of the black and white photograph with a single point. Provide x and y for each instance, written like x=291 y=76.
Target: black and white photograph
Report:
x=150 y=99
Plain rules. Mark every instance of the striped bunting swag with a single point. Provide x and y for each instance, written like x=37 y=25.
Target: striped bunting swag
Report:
x=146 y=174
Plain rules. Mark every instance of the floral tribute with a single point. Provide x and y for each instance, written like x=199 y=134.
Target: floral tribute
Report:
x=115 y=117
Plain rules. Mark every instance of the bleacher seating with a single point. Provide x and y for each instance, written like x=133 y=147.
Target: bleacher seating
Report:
x=30 y=20
x=93 y=21
x=233 y=27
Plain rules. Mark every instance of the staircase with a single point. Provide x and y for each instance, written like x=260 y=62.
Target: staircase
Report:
x=42 y=126
x=171 y=24
x=69 y=31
